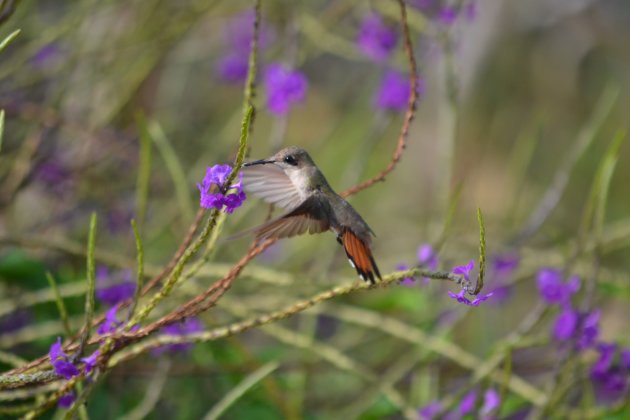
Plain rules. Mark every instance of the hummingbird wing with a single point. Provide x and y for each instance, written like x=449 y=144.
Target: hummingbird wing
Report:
x=270 y=183
x=309 y=217
x=359 y=254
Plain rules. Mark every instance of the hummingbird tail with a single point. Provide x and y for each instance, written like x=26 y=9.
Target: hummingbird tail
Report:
x=359 y=255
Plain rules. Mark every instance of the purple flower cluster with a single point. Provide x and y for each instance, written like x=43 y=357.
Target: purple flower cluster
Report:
x=226 y=199
x=571 y=325
x=465 y=270
x=237 y=38
x=468 y=406
x=188 y=326
x=610 y=374
x=285 y=88
x=64 y=367
x=427 y=258
x=375 y=39
x=112 y=294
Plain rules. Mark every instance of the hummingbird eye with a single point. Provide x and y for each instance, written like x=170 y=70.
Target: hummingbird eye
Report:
x=291 y=160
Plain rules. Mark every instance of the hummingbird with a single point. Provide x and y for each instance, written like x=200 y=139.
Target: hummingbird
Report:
x=291 y=179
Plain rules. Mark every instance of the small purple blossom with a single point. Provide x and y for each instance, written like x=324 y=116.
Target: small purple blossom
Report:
x=233 y=67
x=224 y=199
x=115 y=293
x=610 y=380
x=90 y=361
x=590 y=330
x=447 y=15
x=393 y=92
x=566 y=324
x=239 y=31
x=625 y=359
x=461 y=298
x=375 y=39
x=552 y=289
x=491 y=402
x=238 y=35
x=464 y=270
x=110 y=324
x=285 y=88
x=61 y=362
x=467 y=404
x=47 y=56
x=406 y=281
x=431 y=410
x=583 y=328
x=66 y=400
x=15 y=320
x=427 y=257
x=188 y=326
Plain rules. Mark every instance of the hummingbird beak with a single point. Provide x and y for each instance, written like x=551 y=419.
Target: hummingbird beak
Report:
x=258 y=162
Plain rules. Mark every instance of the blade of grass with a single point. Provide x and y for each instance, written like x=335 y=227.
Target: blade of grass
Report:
x=8 y=39
x=585 y=138
x=174 y=167
x=63 y=313
x=1 y=127
x=140 y=271
x=89 y=295
x=237 y=392
x=144 y=170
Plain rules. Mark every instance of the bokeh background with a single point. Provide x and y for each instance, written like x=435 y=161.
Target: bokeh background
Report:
x=520 y=102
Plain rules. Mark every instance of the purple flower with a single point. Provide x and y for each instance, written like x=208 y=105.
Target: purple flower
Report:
x=110 y=324
x=238 y=35
x=285 y=88
x=239 y=32
x=427 y=257
x=113 y=294
x=625 y=359
x=14 y=321
x=188 y=326
x=66 y=400
x=447 y=15
x=233 y=67
x=566 y=324
x=467 y=404
x=54 y=175
x=461 y=298
x=503 y=266
x=46 y=56
x=470 y=10
x=375 y=39
x=610 y=380
x=90 y=361
x=464 y=270
x=393 y=92
x=552 y=289
x=581 y=327
x=224 y=200
x=590 y=330
x=606 y=355
x=61 y=362
x=431 y=410
x=406 y=281
x=491 y=402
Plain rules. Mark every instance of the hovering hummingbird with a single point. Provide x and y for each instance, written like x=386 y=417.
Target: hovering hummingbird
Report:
x=290 y=179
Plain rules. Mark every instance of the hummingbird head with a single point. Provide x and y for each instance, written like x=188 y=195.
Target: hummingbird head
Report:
x=289 y=159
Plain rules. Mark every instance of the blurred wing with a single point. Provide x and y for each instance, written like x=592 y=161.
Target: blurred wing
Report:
x=271 y=184
x=310 y=217
x=360 y=256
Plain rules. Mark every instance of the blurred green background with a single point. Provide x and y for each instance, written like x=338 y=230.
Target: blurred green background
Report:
x=504 y=109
